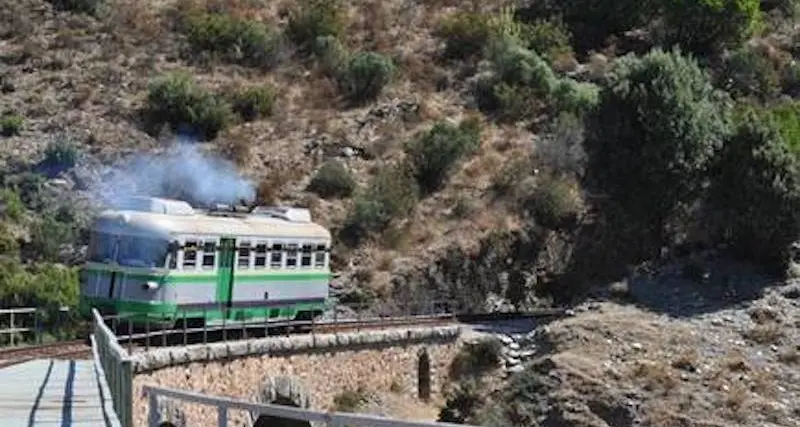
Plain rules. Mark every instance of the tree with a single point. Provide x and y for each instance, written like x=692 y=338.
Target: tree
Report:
x=755 y=189
x=658 y=123
x=703 y=26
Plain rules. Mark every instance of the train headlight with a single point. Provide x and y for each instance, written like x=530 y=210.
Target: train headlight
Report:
x=150 y=285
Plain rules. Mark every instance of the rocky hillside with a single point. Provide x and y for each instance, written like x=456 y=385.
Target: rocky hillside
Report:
x=656 y=354
x=489 y=154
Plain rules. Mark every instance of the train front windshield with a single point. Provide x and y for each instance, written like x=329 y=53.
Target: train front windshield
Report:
x=129 y=251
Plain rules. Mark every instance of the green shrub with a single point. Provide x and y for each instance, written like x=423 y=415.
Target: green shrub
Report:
x=434 y=154
x=61 y=154
x=331 y=54
x=12 y=205
x=9 y=247
x=315 y=18
x=465 y=33
x=235 y=40
x=657 y=124
x=254 y=102
x=785 y=116
x=518 y=66
x=47 y=236
x=364 y=75
x=704 y=26
x=332 y=180
x=591 y=22
x=548 y=38
x=11 y=124
x=91 y=7
x=391 y=194
x=756 y=187
x=503 y=101
x=462 y=403
x=552 y=203
x=748 y=73
x=575 y=97
x=476 y=359
x=176 y=100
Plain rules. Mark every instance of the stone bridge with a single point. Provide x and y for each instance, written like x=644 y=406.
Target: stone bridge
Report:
x=300 y=370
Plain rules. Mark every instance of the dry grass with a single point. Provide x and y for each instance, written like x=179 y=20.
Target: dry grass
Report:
x=657 y=376
x=768 y=333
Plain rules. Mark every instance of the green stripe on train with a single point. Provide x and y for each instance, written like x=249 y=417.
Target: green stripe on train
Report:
x=160 y=310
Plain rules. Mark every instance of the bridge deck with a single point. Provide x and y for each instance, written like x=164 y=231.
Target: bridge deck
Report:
x=48 y=392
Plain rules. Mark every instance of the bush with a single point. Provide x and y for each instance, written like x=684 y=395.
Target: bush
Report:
x=236 y=40
x=350 y=400
x=61 y=154
x=91 y=7
x=254 y=102
x=505 y=102
x=575 y=97
x=174 y=99
x=48 y=235
x=392 y=193
x=364 y=75
x=315 y=18
x=476 y=359
x=11 y=125
x=591 y=22
x=331 y=53
x=553 y=203
x=657 y=124
x=548 y=38
x=434 y=154
x=465 y=34
x=756 y=187
x=12 y=205
x=463 y=403
x=748 y=73
x=517 y=66
x=705 y=26
x=332 y=180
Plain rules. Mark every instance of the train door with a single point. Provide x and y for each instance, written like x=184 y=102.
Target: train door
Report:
x=112 y=282
x=225 y=271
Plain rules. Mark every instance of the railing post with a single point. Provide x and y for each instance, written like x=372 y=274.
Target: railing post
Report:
x=130 y=335
x=205 y=326
x=126 y=393
x=152 y=409
x=163 y=330
x=11 y=327
x=147 y=333
x=185 y=337
x=222 y=416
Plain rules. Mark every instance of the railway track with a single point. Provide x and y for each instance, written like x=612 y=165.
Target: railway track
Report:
x=77 y=349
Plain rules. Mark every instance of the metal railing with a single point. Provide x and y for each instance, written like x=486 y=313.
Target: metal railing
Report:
x=238 y=330
x=111 y=359
x=225 y=404
x=14 y=327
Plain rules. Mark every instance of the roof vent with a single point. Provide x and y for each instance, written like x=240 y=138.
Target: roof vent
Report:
x=284 y=213
x=155 y=205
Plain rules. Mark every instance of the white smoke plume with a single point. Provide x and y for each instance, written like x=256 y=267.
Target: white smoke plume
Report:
x=181 y=172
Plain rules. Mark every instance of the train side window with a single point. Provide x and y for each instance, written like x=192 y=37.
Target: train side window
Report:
x=291 y=256
x=319 y=256
x=172 y=255
x=190 y=254
x=244 y=255
x=276 y=256
x=209 y=255
x=305 y=256
x=261 y=256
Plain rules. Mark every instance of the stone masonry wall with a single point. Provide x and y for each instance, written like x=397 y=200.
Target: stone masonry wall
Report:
x=325 y=365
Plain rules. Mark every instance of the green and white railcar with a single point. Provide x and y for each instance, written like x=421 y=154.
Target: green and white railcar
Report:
x=161 y=259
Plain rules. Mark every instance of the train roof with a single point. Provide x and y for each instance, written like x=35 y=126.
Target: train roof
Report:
x=169 y=217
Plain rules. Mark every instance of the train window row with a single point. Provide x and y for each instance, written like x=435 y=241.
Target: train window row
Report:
x=134 y=251
x=205 y=255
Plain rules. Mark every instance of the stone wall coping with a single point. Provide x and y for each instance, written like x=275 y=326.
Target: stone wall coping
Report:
x=288 y=345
